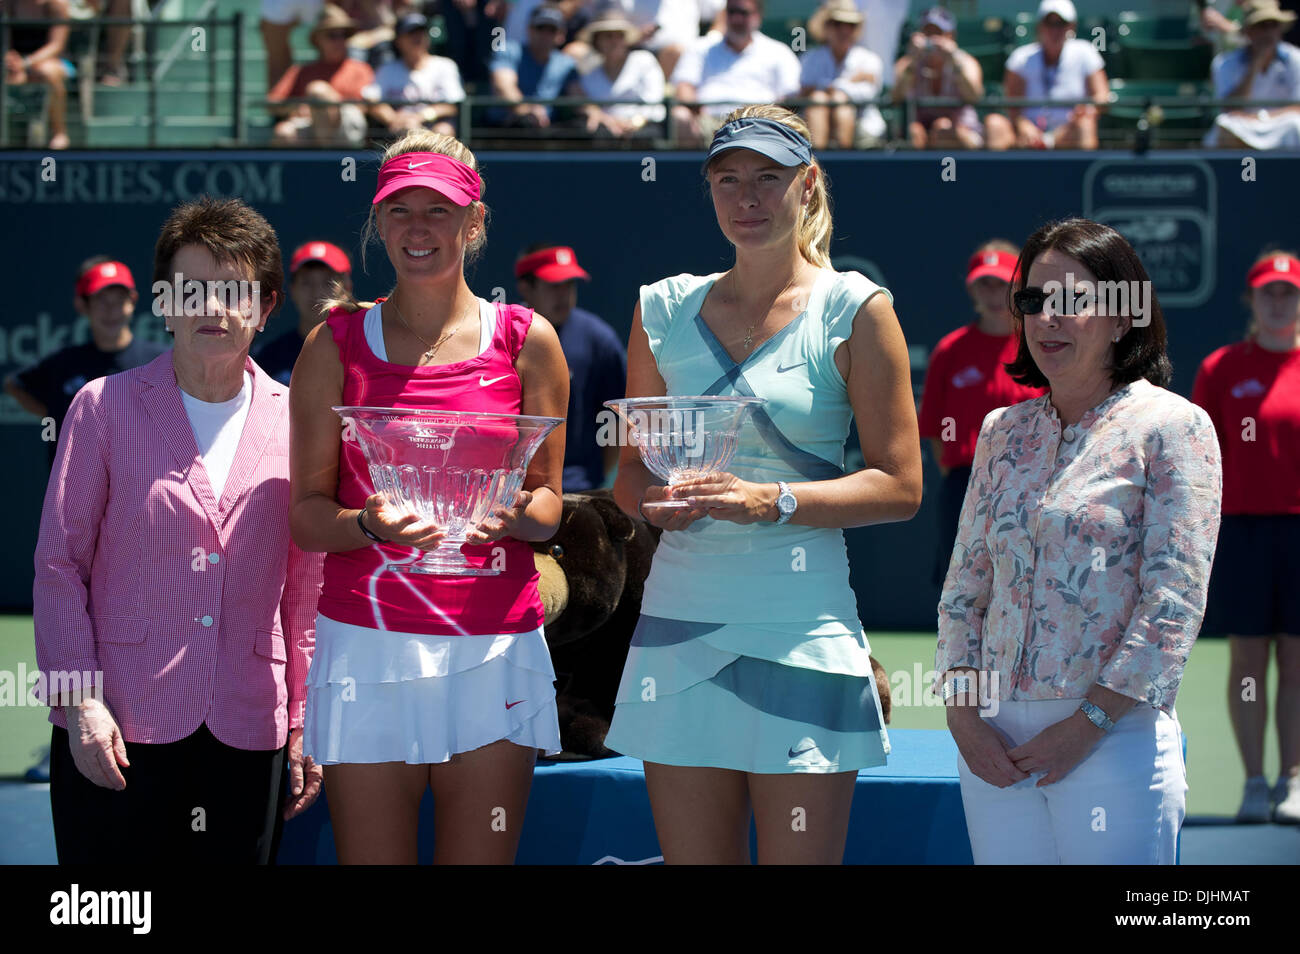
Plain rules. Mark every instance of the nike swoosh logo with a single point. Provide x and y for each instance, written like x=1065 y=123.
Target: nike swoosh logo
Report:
x=416 y=165
x=781 y=370
x=793 y=753
x=484 y=382
x=511 y=705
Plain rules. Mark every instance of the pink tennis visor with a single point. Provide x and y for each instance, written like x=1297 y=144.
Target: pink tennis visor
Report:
x=432 y=170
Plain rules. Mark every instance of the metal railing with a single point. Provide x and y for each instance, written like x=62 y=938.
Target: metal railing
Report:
x=156 y=68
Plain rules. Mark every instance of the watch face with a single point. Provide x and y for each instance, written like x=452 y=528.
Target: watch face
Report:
x=785 y=503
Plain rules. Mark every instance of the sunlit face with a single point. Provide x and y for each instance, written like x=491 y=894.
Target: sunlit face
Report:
x=610 y=42
x=757 y=201
x=1266 y=33
x=229 y=322
x=411 y=45
x=555 y=300
x=1276 y=308
x=989 y=295
x=425 y=233
x=840 y=36
x=743 y=19
x=332 y=44
x=109 y=310
x=1072 y=351
x=1052 y=33
x=312 y=284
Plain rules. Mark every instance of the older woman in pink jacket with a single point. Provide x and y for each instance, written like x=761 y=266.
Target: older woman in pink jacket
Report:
x=173 y=612
x=1077 y=583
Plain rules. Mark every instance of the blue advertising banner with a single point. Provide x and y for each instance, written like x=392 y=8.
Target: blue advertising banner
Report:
x=908 y=221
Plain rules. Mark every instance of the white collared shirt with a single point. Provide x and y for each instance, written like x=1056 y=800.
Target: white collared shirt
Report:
x=765 y=71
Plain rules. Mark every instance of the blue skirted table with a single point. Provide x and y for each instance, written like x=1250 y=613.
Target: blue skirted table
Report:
x=582 y=813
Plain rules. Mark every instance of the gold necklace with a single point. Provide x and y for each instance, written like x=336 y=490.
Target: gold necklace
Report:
x=749 y=335
x=433 y=348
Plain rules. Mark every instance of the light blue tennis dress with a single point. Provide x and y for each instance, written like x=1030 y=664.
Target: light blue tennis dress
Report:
x=749 y=653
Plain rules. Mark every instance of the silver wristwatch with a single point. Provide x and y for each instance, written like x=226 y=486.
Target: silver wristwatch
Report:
x=955 y=685
x=1097 y=716
x=785 y=502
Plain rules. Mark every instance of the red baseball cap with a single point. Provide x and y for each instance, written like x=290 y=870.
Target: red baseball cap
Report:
x=990 y=262
x=557 y=264
x=1275 y=268
x=103 y=275
x=328 y=254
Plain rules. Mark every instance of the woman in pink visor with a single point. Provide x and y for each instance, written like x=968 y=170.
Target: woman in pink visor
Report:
x=425 y=680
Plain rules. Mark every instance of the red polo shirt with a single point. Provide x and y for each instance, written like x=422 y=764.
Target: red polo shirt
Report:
x=1253 y=397
x=965 y=381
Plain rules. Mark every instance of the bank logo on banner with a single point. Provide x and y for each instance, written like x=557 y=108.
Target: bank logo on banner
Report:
x=1168 y=211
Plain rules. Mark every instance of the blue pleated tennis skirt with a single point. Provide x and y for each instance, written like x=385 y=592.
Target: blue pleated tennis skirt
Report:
x=683 y=701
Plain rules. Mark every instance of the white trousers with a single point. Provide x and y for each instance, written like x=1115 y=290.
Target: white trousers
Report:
x=1123 y=804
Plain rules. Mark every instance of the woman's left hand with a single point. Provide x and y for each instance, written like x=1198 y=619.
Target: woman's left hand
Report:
x=501 y=522
x=1057 y=749
x=727 y=497
x=305 y=778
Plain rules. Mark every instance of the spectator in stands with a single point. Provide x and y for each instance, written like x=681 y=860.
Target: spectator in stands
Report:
x=165 y=568
x=547 y=277
x=112 y=65
x=106 y=297
x=621 y=73
x=1251 y=390
x=841 y=76
x=935 y=66
x=1224 y=27
x=35 y=55
x=1077 y=583
x=1058 y=66
x=575 y=14
x=966 y=379
x=536 y=70
x=667 y=28
x=318 y=271
x=418 y=77
x=1265 y=68
x=332 y=78
x=470 y=25
x=279 y=17
x=883 y=31
x=743 y=67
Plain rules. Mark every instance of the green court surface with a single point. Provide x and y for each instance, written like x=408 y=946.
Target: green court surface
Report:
x=1214 y=768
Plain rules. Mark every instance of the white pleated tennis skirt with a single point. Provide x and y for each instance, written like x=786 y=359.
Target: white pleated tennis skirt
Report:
x=381 y=696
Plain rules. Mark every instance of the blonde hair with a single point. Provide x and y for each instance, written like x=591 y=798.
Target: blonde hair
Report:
x=815 y=223
x=417 y=140
x=998 y=245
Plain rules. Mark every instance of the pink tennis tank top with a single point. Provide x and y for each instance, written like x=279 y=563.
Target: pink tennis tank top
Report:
x=358 y=588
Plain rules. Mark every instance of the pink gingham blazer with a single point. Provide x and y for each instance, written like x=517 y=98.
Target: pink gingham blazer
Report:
x=195 y=610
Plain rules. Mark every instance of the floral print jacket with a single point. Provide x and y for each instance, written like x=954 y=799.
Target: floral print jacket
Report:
x=1083 y=554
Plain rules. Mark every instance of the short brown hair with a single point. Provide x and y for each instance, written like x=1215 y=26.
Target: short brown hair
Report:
x=233 y=232
x=1110 y=258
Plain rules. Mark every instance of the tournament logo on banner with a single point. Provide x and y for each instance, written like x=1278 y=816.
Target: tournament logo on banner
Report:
x=1167 y=210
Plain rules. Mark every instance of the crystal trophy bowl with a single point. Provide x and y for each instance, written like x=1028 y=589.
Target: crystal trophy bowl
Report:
x=680 y=438
x=451 y=468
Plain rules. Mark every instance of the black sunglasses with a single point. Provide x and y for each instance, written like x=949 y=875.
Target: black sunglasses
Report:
x=1029 y=301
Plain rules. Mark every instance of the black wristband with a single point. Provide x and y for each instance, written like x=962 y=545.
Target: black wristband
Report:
x=366 y=530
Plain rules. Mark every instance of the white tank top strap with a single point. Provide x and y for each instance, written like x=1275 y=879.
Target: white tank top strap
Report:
x=374 y=328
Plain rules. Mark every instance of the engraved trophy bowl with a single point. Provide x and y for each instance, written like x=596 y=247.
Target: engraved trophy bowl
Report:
x=451 y=468
x=680 y=438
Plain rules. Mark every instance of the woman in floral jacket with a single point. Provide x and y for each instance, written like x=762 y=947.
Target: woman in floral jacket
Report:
x=1078 y=580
